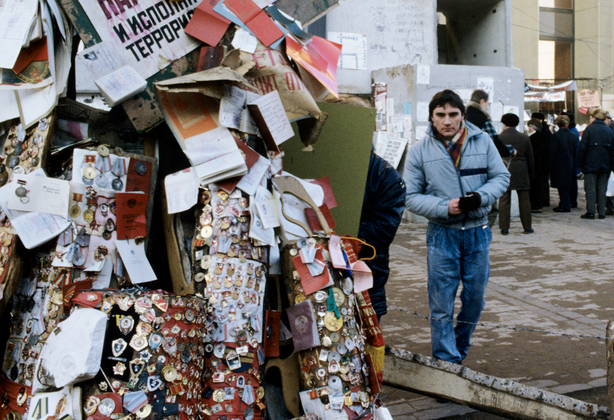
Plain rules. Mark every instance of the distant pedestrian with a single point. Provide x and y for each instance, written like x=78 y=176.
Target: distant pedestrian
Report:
x=521 y=170
x=563 y=150
x=477 y=114
x=534 y=126
x=542 y=176
x=573 y=191
x=595 y=158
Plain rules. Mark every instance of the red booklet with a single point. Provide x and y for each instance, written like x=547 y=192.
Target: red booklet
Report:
x=256 y=20
x=206 y=24
x=130 y=213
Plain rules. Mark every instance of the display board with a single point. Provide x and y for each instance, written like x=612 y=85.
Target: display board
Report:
x=342 y=153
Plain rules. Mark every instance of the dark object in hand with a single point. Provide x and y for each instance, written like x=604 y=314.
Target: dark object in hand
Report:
x=471 y=201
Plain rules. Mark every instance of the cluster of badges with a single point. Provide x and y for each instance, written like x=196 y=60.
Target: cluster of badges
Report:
x=23 y=150
x=103 y=169
x=230 y=272
x=36 y=310
x=336 y=367
x=154 y=354
x=223 y=229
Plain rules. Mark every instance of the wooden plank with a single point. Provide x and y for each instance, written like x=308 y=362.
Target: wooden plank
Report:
x=487 y=393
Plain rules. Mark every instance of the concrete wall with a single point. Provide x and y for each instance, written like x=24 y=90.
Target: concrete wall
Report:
x=398 y=32
x=525 y=36
x=478 y=32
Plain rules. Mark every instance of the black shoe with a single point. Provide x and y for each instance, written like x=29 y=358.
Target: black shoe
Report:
x=529 y=230
x=560 y=210
x=590 y=216
x=602 y=216
x=609 y=212
x=505 y=231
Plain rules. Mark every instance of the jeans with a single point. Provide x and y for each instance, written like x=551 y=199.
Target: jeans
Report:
x=595 y=185
x=455 y=256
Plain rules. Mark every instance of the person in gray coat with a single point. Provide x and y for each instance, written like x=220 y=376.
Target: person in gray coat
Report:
x=522 y=170
x=563 y=150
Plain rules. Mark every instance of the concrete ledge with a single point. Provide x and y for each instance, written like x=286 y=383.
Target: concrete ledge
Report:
x=487 y=393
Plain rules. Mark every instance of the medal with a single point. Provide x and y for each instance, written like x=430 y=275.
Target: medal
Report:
x=75 y=210
x=140 y=167
x=89 y=172
x=119 y=170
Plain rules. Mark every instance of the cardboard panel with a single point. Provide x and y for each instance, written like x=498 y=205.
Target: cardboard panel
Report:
x=341 y=153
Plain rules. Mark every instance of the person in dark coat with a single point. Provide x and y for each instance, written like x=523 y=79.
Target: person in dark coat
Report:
x=521 y=170
x=573 y=191
x=595 y=158
x=542 y=176
x=535 y=127
x=382 y=210
x=477 y=114
x=563 y=149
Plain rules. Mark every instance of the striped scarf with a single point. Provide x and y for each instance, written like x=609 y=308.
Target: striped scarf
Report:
x=455 y=145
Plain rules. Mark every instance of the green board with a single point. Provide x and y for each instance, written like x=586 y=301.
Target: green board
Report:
x=342 y=153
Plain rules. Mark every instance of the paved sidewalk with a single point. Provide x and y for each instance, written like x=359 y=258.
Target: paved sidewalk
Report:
x=553 y=282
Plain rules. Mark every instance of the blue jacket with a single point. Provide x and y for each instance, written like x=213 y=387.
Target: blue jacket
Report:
x=432 y=180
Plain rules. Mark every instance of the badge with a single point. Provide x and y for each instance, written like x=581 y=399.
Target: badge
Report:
x=117 y=184
x=144 y=411
x=332 y=323
x=148 y=316
x=169 y=373
x=119 y=369
x=140 y=167
x=334 y=382
x=103 y=150
x=160 y=302
x=88 y=215
x=101 y=181
x=136 y=367
x=126 y=324
x=106 y=407
x=89 y=173
x=75 y=211
x=142 y=305
x=339 y=296
x=118 y=346
x=78 y=259
x=138 y=343
x=348 y=286
x=153 y=383
x=143 y=329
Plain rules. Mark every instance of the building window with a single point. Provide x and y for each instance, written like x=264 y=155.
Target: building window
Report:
x=558 y=4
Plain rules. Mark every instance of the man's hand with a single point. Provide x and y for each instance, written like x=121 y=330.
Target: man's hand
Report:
x=453 y=208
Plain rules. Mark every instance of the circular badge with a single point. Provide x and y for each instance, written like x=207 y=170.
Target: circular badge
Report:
x=348 y=286
x=199 y=277
x=117 y=184
x=103 y=150
x=218 y=395
x=341 y=349
x=219 y=350
x=144 y=411
x=87 y=182
x=88 y=215
x=349 y=343
x=334 y=356
x=101 y=181
x=89 y=172
x=75 y=211
x=106 y=406
x=78 y=259
x=331 y=322
x=321 y=296
x=206 y=231
x=140 y=167
x=13 y=161
x=339 y=296
x=335 y=382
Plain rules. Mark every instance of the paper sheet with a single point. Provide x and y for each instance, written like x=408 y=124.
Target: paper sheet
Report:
x=33 y=194
x=136 y=262
x=422 y=111
x=181 y=190
x=252 y=179
x=354 y=52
